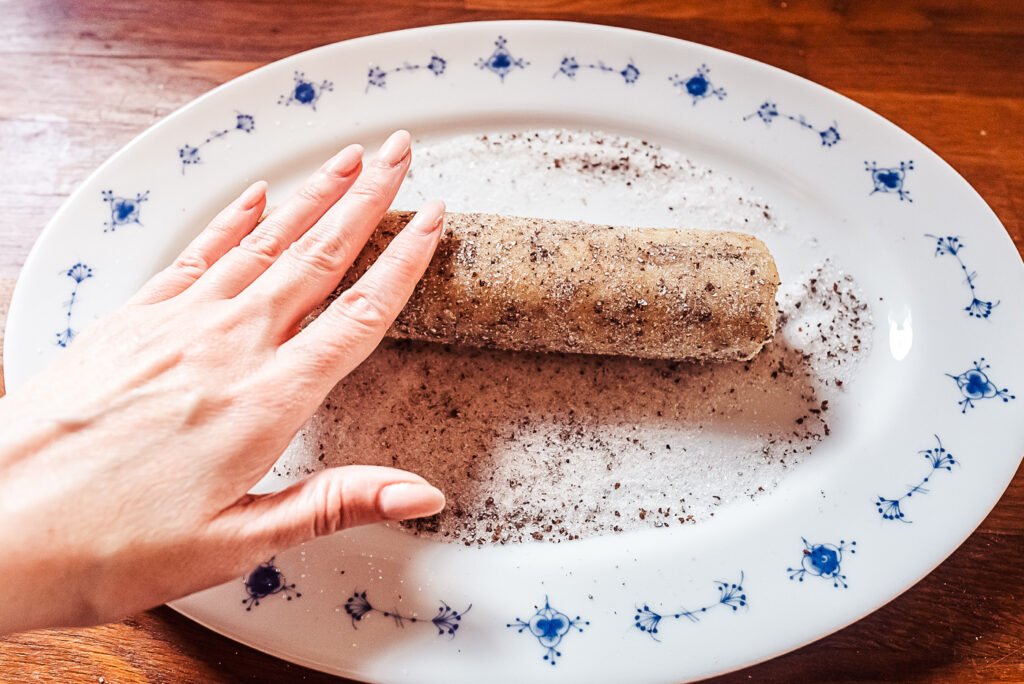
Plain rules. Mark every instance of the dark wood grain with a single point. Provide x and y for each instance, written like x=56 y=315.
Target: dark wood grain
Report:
x=78 y=80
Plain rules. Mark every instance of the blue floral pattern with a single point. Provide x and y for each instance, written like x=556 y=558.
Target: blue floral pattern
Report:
x=189 y=154
x=951 y=245
x=305 y=92
x=501 y=61
x=123 y=210
x=447 y=620
x=823 y=560
x=890 y=179
x=769 y=112
x=266 y=580
x=377 y=77
x=78 y=274
x=938 y=459
x=698 y=86
x=975 y=385
x=730 y=595
x=549 y=627
x=570 y=66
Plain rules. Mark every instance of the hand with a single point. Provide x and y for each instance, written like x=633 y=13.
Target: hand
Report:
x=124 y=466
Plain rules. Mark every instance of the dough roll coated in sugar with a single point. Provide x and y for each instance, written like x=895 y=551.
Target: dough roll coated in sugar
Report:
x=531 y=284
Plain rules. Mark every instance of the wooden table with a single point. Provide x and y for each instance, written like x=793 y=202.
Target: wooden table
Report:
x=79 y=79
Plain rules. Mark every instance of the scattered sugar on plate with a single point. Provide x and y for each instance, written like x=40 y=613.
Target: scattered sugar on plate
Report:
x=557 y=447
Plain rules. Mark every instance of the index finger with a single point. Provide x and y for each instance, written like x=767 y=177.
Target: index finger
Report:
x=353 y=325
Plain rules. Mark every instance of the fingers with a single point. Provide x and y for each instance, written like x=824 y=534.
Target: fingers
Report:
x=260 y=248
x=224 y=232
x=354 y=323
x=330 y=501
x=311 y=267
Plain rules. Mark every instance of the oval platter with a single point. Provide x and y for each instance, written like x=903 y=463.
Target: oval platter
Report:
x=924 y=441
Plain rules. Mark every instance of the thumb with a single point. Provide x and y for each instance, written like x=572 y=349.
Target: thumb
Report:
x=333 y=500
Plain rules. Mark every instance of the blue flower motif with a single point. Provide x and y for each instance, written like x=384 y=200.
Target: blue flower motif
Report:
x=938 y=459
x=501 y=61
x=769 y=112
x=549 y=626
x=766 y=112
x=244 y=122
x=890 y=179
x=358 y=606
x=829 y=136
x=822 y=560
x=437 y=65
x=975 y=385
x=305 y=92
x=569 y=66
x=378 y=78
x=265 y=581
x=189 y=154
x=729 y=594
x=647 y=620
x=698 y=86
x=123 y=210
x=78 y=274
x=951 y=245
x=446 y=621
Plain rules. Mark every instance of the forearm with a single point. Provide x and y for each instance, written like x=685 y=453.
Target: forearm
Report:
x=42 y=577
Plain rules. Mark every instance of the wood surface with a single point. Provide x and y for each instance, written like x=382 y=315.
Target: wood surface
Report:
x=78 y=80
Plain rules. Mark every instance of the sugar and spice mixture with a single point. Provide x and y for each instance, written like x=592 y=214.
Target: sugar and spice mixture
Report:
x=557 y=447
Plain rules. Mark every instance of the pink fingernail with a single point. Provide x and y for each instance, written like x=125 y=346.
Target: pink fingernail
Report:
x=345 y=162
x=405 y=500
x=425 y=224
x=395 y=148
x=252 y=195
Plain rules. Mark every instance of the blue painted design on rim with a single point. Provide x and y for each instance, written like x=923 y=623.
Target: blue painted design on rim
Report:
x=731 y=595
x=938 y=459
x=501 y=61
x=549 y=627
x=305 y=92
x=890 y=179
x=266 y=580
x=823 y=560
x=951 y=245
x=447 y=620
x=570 y=66
x=698 y=86
x=769 y=111
x=78 y=274
x=377 y=77
x=123 y=210
x=189 y=154
x=975 y=385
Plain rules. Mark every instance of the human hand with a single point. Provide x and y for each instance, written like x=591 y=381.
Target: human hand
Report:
x=125 y=465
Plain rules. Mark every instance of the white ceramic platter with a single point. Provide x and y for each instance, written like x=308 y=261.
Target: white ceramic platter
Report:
x=819 y=552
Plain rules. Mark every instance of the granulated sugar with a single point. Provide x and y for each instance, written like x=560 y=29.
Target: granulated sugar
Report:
x=582 y=176
x=555 y=447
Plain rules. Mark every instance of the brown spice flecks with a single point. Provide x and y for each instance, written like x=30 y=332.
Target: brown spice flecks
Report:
x=555 y=447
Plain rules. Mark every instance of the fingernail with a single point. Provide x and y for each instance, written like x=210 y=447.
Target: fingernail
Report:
x=345 y=162
x=252 y=195
x=395 y=148
x=426 y=222
x=405 y=500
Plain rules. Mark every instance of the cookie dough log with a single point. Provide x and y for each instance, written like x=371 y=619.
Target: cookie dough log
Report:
x=543 y=285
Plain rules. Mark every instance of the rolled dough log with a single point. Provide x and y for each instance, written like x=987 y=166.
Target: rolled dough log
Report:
x=543 y=285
